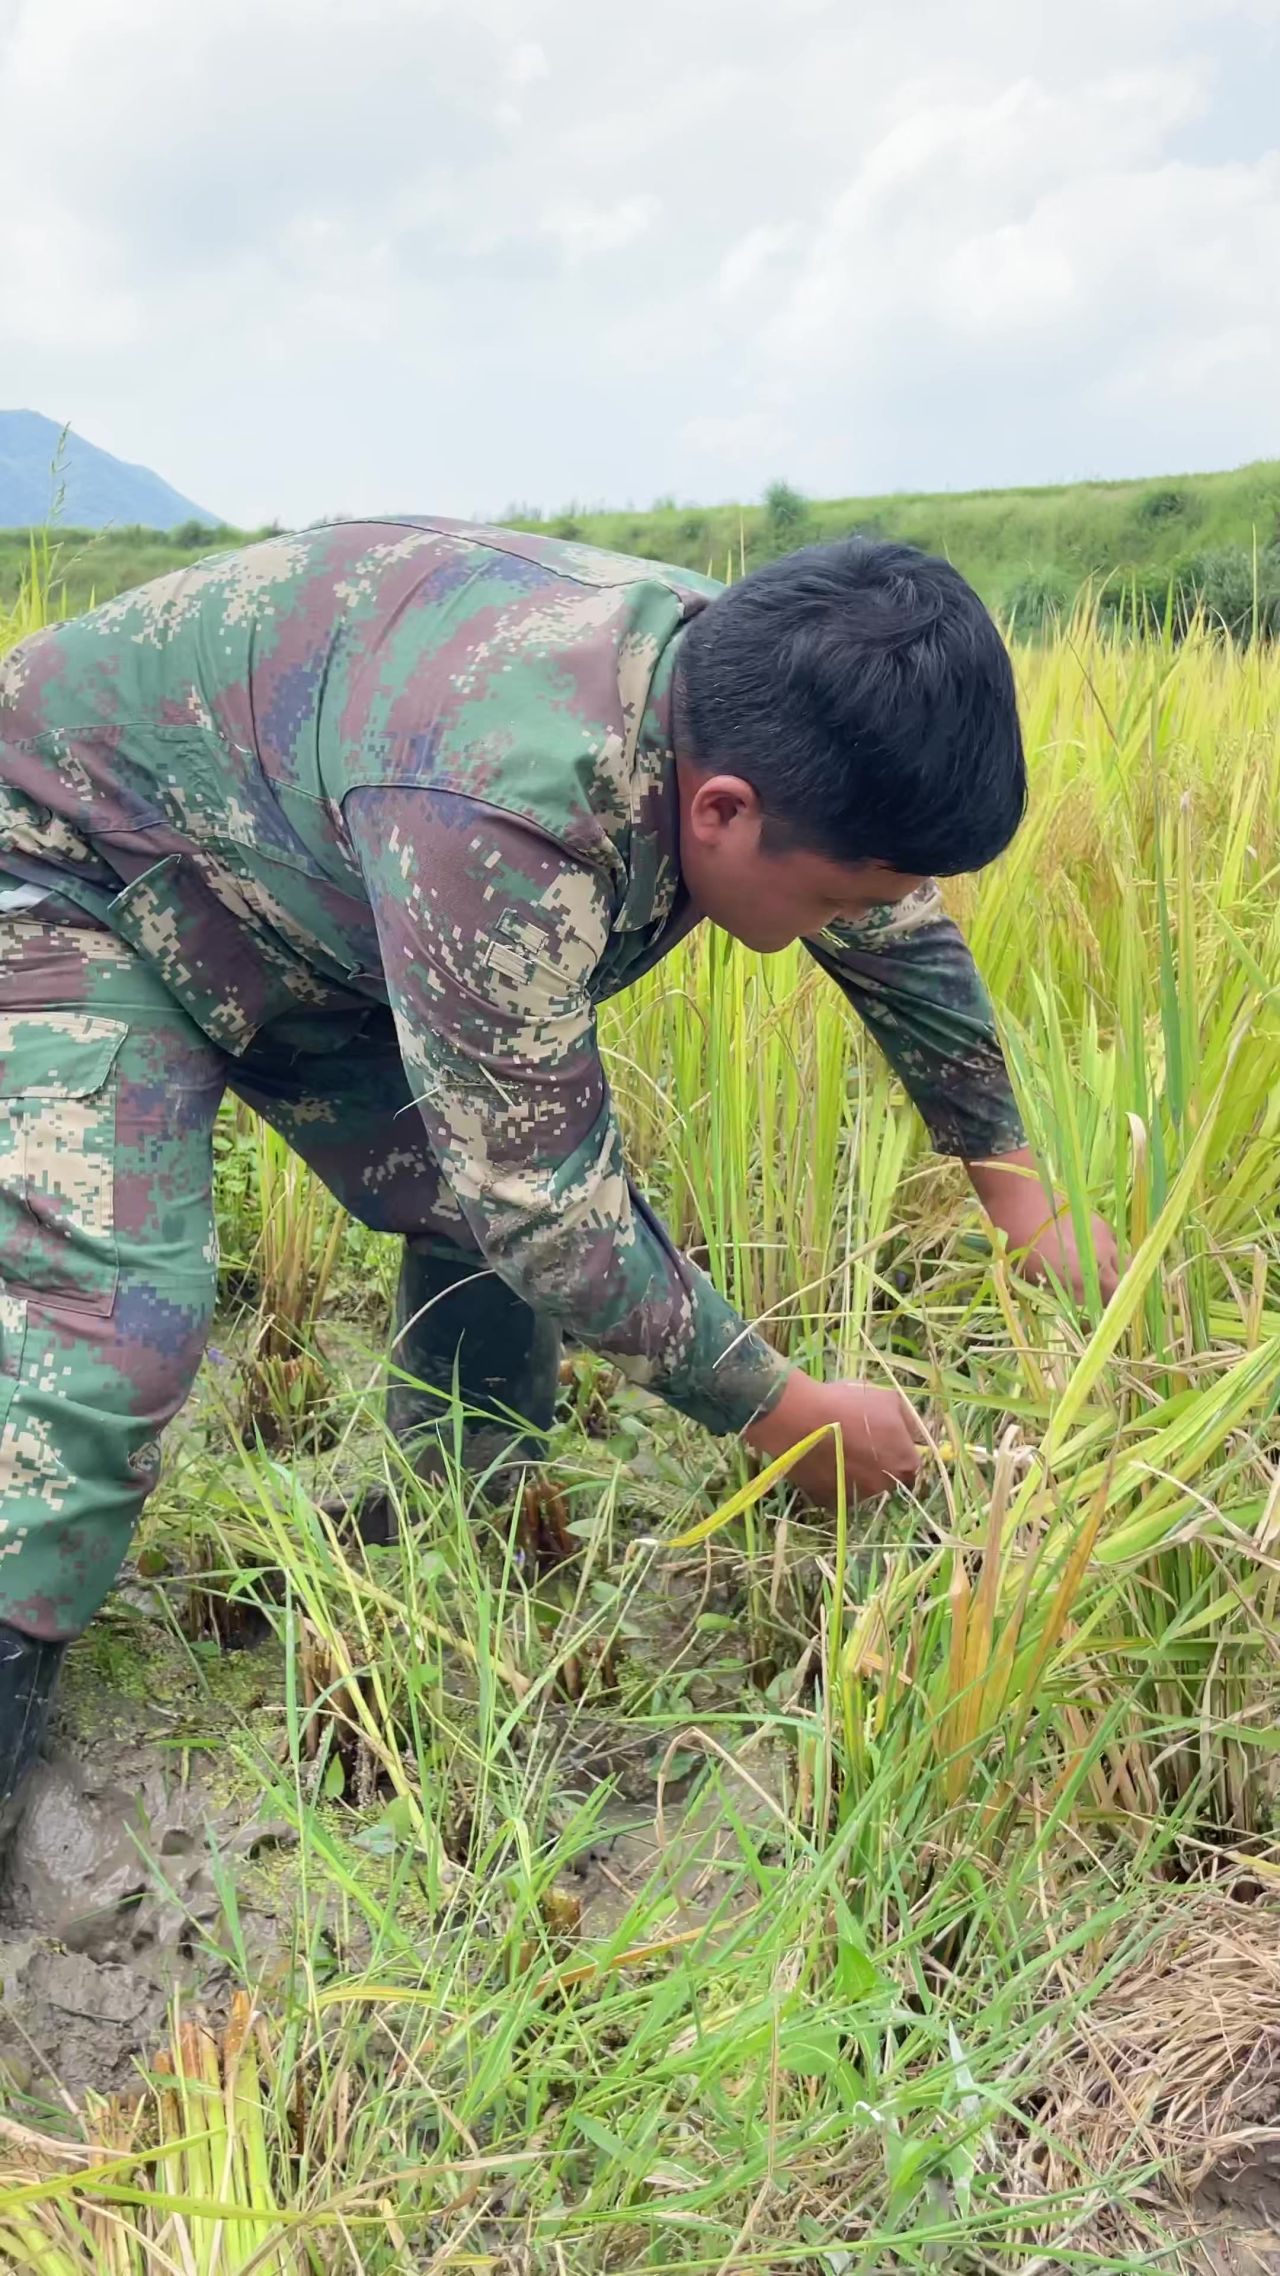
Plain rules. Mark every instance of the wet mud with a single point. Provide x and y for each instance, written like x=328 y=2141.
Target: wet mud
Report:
x=1237 y=2211
x=109 y=1897
x=147 y=1808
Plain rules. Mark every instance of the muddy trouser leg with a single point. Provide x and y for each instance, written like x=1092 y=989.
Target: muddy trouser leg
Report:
x=107 y=1276
x=28 y=1672
x=354 y=1121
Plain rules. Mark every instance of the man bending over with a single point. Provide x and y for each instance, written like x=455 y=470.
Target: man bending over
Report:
x=364 y=824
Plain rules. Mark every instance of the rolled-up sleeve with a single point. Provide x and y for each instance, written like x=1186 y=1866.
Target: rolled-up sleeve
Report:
x=490 y=934
x=908 y=972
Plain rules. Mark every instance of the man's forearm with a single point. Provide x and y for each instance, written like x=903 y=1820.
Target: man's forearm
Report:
x=1038 y=1225
x=995 y=1176
x=908 y=973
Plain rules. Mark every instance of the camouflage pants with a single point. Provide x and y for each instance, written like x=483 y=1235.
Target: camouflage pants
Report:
x=108 y=1094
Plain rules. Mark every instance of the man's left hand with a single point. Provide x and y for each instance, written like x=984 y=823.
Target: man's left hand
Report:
x=1038 y=1227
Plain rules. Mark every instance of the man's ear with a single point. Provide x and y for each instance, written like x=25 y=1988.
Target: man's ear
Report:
x=721 y=802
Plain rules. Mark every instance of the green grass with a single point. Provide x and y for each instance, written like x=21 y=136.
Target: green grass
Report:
x=81 y=567
x=854 y=2039
x=1021 y=548
x=931 y=1829
x=999 y=538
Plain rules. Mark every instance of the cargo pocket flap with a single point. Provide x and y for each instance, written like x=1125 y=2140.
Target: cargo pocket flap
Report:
x=57 y=1054
x=228 y=968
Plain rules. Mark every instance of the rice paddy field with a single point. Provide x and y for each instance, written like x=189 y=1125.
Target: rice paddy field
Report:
x=652 y=1874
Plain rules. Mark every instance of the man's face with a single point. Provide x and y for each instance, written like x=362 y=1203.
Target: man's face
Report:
x=766 y=900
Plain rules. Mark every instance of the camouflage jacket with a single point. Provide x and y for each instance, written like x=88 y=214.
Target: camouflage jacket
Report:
x=417 y=763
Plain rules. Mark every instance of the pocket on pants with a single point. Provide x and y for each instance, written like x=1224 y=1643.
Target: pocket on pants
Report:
x=58 y=1088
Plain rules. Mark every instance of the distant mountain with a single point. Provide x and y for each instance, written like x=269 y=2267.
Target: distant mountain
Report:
x=99 y=488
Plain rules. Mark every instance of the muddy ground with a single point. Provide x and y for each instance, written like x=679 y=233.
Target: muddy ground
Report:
x=157 y=1792
x=109 y=1893
x=108 y=1899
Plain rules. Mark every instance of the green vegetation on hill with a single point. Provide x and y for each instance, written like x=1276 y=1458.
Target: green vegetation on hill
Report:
x=1213 y=538
x=81 y=567
x=996 y=536
x=1029 y=552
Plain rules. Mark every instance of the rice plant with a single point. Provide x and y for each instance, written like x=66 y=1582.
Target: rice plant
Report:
x=291 y=1266
x=913 y=1818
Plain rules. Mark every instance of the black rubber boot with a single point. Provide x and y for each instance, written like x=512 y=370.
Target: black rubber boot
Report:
x=28 y=1673
x=454 y=1316
x=455 y=1320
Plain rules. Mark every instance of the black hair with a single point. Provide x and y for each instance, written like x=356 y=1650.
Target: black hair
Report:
x=864 y=692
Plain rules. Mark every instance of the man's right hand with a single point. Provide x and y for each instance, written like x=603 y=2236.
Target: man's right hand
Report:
x=880 y=1433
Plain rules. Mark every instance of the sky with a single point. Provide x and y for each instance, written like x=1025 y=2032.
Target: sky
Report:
x=341 y=256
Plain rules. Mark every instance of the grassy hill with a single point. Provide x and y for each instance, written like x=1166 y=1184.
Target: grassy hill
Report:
x=1025 y=550
x=999 y=538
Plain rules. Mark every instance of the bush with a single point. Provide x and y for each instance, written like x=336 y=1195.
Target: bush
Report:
x=788 y=522
x=1240 y=593
x=1137 y=601
x=1040 y=599
x=1239 y=597
x=1166 y=504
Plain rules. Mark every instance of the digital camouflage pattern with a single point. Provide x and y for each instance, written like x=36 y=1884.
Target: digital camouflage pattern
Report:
x=425 y=768
x=108 y=1094
x=107 y=1097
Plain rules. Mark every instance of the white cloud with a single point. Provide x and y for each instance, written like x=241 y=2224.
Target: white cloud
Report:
x=1063 y=295
x=747 y=262
x=939 y=209
x=737 y=436
x=307 y=254
x=583 y=230
x=527 y=64
x=58 y=285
